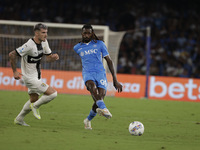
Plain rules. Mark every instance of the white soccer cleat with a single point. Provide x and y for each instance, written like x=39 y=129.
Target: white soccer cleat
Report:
x=87 y=124
x=22 y=123
x=36 y=112
x=104 y=112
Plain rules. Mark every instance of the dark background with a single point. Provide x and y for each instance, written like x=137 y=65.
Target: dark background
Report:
x=175 y=29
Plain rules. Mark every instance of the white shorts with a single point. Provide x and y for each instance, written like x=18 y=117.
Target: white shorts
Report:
x=35 y=85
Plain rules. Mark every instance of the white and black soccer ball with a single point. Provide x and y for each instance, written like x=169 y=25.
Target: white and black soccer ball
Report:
x=136 y=128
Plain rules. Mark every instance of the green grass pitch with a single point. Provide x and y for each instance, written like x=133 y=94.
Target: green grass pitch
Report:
x=169 y=125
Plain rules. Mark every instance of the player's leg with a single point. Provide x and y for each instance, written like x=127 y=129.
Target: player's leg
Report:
x=33 y=98
x=98 y=81
x=48 y=94
x=103 y=112
x=90 y=85
x=98 y=95
x=20 y=117
x=102 y=87
x=92 y=114
x=25 y=110
x=92 y=88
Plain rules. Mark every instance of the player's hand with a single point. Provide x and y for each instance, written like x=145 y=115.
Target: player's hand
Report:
x=17 y=75
x=118 y=86
x=54 y=57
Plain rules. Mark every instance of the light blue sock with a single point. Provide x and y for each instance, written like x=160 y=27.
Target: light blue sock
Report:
x=91 y=115
x=101 y=104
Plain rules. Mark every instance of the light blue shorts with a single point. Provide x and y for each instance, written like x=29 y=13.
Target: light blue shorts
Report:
x=99 y=79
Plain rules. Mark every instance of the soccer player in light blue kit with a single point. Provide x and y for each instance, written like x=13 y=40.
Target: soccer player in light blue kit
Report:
x=92 y=51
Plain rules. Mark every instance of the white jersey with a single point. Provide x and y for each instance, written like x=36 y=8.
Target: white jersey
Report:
x=31 y=53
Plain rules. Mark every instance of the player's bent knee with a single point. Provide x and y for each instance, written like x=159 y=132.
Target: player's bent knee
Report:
x=50 y=97
x=54 y=95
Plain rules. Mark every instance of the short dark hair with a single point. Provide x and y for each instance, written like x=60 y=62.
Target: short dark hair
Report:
x=39 y=26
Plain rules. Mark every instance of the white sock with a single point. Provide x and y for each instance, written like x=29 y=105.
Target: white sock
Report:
x=44 y=99
x=25 y=110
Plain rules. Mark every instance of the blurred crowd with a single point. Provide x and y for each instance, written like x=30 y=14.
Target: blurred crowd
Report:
x=175 y=41
x=175 y=29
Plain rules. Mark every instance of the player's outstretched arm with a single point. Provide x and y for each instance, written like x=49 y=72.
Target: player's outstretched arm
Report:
x=12 y=57
x=52 y=57
x=116 y=84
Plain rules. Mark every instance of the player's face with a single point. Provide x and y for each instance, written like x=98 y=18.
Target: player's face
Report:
x=42 y=35
x=87 y=35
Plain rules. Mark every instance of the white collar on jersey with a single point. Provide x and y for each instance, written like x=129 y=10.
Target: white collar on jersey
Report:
x=87 y=43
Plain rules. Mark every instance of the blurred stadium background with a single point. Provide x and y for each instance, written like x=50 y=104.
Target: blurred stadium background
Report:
x=175 y=47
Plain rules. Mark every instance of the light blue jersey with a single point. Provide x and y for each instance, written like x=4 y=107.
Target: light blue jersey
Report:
x=92 y=55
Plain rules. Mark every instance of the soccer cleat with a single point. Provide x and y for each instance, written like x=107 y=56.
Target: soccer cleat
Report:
x=22 y=123
x=87 y=124
x=104 y=112
x=36 y=112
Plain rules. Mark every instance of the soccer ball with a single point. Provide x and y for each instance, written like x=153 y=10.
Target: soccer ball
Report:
x=136 y=128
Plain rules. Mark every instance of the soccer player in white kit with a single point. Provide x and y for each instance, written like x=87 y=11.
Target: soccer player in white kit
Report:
x=31 y=53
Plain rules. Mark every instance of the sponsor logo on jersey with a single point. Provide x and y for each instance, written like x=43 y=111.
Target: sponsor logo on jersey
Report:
x=91 y=51
x=35 y=59
x=32 y=59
